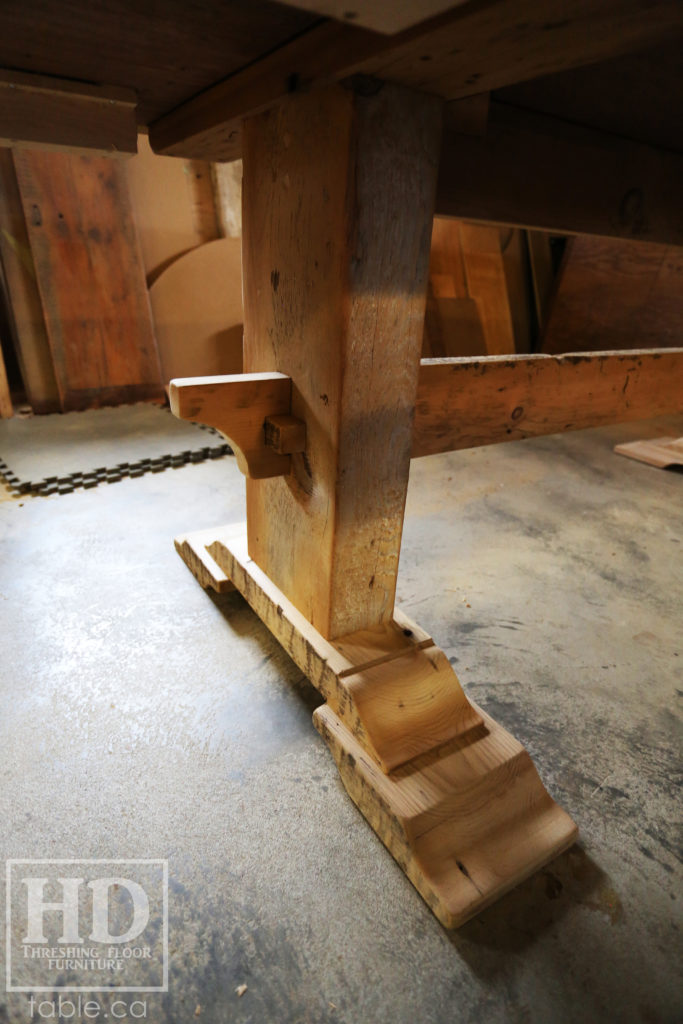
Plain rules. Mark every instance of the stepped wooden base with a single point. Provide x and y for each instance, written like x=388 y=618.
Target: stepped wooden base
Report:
x=453 y=796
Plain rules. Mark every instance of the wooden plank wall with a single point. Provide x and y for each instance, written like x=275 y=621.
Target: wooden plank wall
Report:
x=614 y=294
x=90 y=278
x=24 y=304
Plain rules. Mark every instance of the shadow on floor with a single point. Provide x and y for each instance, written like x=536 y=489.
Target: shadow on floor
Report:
x=522 y=916
x=242 y=620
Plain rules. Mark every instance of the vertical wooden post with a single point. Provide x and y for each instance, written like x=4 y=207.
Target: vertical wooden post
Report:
x=338 y=204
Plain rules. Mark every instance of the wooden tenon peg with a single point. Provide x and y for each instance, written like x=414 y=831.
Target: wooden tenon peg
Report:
x=285 y=434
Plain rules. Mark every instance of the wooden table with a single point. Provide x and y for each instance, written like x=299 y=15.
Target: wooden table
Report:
x=352 y=138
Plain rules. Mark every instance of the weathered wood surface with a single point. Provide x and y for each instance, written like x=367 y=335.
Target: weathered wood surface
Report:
x=192 y=549
x=536 y=171
x=611 y=293
x=391 y=686
x=23 y=297
x=238 y=405
x=455 y=798
x=482 y=252
x=465 y=826
x=165 y=52
x=476 y=300
x=463 y=403
x=52 y=113
x=285 y=434
x=335 y=269
x=594 y=95
x=469 y=50
x=90 y=278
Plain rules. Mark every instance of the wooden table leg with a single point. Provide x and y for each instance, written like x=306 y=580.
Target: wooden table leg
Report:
x=337 y=209
x=337 y=214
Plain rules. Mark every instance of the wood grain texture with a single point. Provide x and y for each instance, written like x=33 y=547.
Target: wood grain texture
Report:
x=209 y=126
x=594 y=95
x=482 y=253
x=477 y=302
x=466 y=826
x=90 y=277
x=52 y=113
x=483 y=46
x=285 y=434
x=463 y=403
x=165 y=52
x=452 y=326
x=408 y=706
x=192 y=548
x=24 y=303
x=660 y=452
x=472 y=49
x=615 y=294
x=535 y=171
x=237 y=406
x=454 y=797
x=393 y=688
x=336 y=247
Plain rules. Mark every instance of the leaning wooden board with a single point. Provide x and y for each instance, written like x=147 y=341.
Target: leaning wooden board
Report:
x=90 y=277
x=197 y=311
x=659 y=451
x=23 y=299
x=5 y=397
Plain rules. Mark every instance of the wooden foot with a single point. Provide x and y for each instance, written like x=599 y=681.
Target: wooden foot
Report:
x=193 y=551
x=453 y=796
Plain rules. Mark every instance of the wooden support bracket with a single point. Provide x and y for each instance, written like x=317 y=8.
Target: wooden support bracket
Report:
x=455 y=798
x=238 y=407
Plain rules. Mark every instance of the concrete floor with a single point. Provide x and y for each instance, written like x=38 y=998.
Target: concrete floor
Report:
x=143 y=718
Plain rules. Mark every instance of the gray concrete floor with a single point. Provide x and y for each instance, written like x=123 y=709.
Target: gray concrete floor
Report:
x=143 y=718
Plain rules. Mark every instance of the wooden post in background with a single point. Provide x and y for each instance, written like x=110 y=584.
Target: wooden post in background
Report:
x=337 y=215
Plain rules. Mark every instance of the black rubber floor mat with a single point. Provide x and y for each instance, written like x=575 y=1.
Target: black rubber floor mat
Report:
x=56 y=454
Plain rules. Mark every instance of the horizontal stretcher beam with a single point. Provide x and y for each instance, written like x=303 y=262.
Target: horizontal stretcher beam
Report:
x=56 y=113
x=538 y=171
x=461 y=403
x=465 y=403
